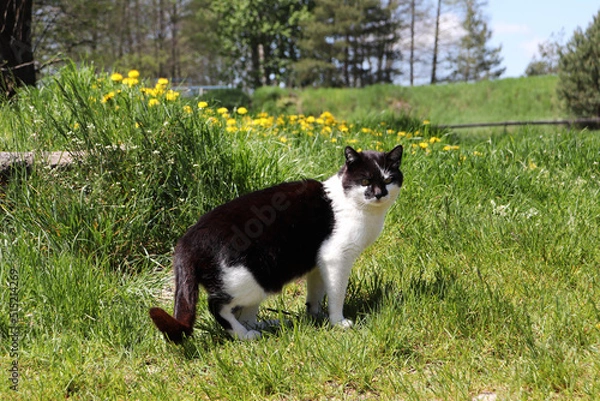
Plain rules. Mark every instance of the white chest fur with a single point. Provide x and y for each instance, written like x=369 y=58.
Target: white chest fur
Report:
x=358 y=223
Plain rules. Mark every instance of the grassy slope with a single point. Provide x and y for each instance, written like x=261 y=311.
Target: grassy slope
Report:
x=484 y=280
x=506 y=99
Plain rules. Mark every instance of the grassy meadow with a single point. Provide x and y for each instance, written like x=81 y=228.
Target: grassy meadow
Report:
x=484 y=283
x=517 y=99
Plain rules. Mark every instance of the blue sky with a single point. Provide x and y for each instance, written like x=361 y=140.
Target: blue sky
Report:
x=519 y=25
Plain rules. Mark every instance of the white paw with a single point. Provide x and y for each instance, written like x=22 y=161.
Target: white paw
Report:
x=251 y=335
x=344 y=324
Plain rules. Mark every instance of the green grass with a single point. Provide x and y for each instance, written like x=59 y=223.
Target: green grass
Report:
x=517 y=99
x=485 y=278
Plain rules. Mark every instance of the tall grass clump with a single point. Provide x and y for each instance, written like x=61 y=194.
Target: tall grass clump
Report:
x=141 y=161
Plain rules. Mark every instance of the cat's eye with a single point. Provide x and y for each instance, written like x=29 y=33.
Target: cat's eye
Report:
x=387 y=181
x=365 y=182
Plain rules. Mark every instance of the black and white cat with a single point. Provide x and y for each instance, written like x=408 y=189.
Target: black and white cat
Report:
x=249 y=248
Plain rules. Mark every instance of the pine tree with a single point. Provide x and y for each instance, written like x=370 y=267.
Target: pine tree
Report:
x=474 y=60
x=547 y=63
x=258 y=37
x=579 y=71
x=348 y=43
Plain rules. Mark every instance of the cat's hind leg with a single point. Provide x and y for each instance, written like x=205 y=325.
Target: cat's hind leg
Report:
x=222 y=308
x=247 y=316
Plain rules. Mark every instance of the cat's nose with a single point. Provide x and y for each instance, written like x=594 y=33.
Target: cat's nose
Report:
x=380 y=193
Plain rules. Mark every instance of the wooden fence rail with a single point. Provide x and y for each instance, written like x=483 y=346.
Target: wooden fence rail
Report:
x=583 y=122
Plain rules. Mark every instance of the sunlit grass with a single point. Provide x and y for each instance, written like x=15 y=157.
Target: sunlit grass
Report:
x=485 y=279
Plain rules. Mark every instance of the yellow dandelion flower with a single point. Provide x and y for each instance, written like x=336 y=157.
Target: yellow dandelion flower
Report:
x=352 y=141
x=231 y=129
x=320 y=121
x=401 y=134
x=333 y=140
x=434 y=139
x=130 y=81
x=242 y=110
x=133 y=74
x=148 y=91
x=283 y=139
x=231 y=121
x=426 y=122
x=478 y=154
x=108 y=97
x=116 y=77
x=202 y=105
x=423 y=145
x=451 y=147
x=222 y=110
x=187 y=109
x=171 y=95
x=153 y=102
x=343 y=128
x=310 y=119
x=162 y=81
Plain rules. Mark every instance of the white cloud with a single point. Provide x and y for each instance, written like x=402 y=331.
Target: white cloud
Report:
x=451 y=30
x=511 y=29
x=530 y=47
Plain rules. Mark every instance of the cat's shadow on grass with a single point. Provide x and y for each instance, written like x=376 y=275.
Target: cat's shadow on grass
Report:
x=364 y=298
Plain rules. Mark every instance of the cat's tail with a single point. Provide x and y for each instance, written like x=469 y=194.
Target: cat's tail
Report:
x=186 y=296
x=173 y=329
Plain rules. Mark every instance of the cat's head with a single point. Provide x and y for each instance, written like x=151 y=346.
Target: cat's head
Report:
x=372 y=179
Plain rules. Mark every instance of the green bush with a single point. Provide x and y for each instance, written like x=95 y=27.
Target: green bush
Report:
x=579 y=71
x=274 y=100
x=230 y=98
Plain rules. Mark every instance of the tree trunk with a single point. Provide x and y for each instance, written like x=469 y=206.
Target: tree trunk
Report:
x=16 y=53
x=435 y=43
x=412 y=42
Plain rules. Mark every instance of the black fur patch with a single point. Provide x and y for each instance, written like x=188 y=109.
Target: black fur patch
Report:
x=276 y=233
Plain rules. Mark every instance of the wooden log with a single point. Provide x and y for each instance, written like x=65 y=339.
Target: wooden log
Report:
x=9 y=161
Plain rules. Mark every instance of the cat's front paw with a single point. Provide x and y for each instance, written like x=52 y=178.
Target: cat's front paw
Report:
x=343 y=324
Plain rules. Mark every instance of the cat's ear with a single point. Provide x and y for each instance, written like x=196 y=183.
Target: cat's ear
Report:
x=351 y=155
x=394 y=156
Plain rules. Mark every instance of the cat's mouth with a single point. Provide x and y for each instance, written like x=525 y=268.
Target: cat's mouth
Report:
x=379 y=201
